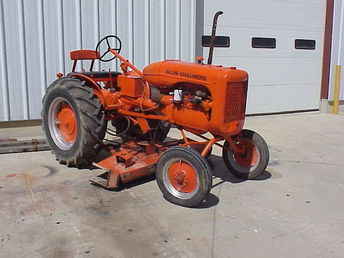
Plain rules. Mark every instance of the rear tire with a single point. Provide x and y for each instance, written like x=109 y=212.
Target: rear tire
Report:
x=253 y=162
x=184 y=176
x=73 y=121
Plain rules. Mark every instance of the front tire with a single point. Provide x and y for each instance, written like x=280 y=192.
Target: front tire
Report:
x=184 y=176
x=253 y=162
x=73 y=121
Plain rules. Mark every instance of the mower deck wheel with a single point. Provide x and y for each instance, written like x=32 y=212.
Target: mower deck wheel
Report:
x=184 y=176
x=254 y=159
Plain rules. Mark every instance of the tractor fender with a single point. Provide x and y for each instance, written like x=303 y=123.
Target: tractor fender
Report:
x=90 y=83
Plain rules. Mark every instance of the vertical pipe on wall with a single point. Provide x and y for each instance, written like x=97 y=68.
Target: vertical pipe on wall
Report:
x=42 y=54
x=336 y=90
x=23 y=63
x=338 y=68
x=147 y=32
x=60 y=36
x=3 y=64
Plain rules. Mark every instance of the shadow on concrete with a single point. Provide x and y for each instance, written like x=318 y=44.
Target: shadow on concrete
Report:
x=221 y=171
x=51 y=170
x=122 y=186
x=139 y=181
x=211 y=201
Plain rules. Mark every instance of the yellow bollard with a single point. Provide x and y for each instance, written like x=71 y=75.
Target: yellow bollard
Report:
x=336 y=90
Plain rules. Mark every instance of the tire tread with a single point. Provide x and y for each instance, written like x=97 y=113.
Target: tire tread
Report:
x=92 y=121
x=264 y=156
x=205 y=187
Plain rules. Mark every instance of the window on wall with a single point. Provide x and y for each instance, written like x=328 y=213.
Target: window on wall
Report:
x=308 y=44
x=263 y=42
x=220 y=41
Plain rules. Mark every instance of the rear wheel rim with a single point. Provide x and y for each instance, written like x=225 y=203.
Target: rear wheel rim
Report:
x=181 y=178
x=63 y=125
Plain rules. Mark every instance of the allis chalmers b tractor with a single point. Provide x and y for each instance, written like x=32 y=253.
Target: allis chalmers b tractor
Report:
x=142 y=106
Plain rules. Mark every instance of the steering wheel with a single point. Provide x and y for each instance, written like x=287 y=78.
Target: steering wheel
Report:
x=106 y=41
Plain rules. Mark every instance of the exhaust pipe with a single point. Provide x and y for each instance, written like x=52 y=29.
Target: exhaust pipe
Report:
x=213 y=35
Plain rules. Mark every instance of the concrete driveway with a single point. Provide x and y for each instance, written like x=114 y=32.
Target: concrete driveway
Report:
x=295 y=209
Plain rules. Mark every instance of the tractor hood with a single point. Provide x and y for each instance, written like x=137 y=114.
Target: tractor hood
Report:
x=168 y=73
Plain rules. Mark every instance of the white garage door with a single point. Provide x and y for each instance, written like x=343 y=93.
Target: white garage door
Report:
x=282 y=78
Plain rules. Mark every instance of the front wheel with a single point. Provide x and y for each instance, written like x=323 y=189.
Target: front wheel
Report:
x=254 y=159
x=184 y=176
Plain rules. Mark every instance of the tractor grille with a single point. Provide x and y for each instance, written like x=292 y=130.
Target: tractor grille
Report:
x=235 y=101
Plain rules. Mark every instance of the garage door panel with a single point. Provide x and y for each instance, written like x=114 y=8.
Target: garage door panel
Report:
x=289 y=78
x=240 y=43
x=293 y=99
x=272 y=71
x=241 y=46
x=300 y=56
x=267 y=13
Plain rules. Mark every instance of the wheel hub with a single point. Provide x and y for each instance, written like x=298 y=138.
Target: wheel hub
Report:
x=250 y=156
x=183 y=177
x=180 y=178
x=66 y=122
x=63 y=123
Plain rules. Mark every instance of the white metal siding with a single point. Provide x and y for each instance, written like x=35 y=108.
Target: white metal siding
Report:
x=281 y=79
x=37 y=35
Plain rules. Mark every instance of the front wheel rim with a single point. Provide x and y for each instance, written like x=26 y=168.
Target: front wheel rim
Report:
x=62 y=122
x=247 y=161
x=181 y=178
x=250 y=157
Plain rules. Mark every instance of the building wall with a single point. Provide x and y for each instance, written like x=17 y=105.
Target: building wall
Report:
x=37 y=35
x=337 y=55
x=281 y=78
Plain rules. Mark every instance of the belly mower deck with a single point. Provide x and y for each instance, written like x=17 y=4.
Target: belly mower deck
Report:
x=133 y=160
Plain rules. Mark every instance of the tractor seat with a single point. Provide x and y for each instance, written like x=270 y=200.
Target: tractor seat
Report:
x=84 y=54
x=101 y=74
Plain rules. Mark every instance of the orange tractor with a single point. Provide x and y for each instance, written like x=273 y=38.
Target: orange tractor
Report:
x=142 y=106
